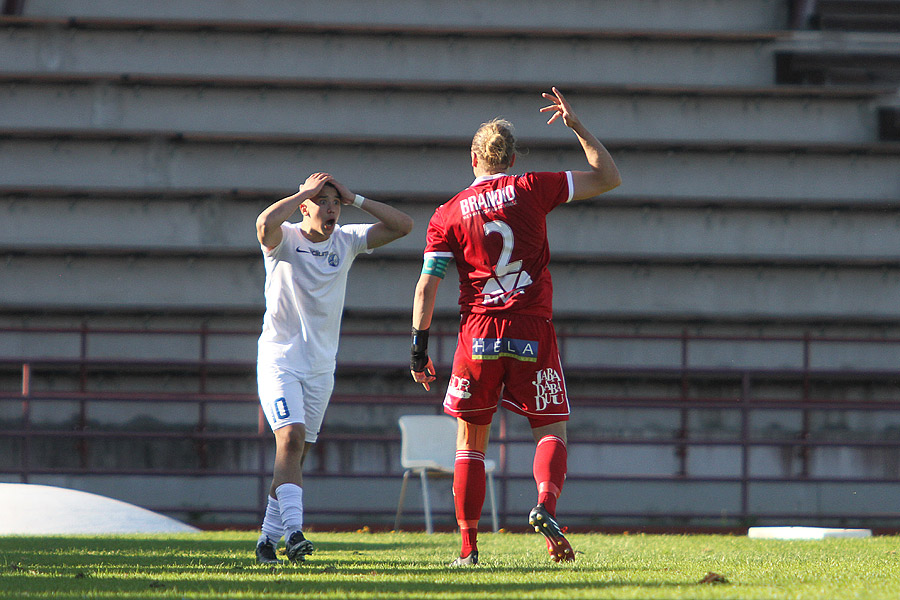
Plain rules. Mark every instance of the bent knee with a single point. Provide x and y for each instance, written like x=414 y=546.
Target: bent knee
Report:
x=291 y=437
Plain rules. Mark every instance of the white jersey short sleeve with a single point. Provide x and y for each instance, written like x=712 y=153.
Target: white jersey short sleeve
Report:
x=305 y=287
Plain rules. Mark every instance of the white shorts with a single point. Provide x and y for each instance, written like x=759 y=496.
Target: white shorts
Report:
x=287 y=398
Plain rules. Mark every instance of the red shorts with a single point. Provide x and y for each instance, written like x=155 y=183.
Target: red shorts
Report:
x=512 y=359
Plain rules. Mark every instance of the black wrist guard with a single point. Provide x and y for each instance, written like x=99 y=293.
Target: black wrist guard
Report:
x=419 y=350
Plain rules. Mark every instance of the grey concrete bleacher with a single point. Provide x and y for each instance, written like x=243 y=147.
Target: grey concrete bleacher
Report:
x=218 y=268
x=139 y=140
x=397 y=53
x=631 y=287
x=724 y=15
x=857 y=48
x=133 y=219
x=676 y=169
x=225 y=105
x=206 y=225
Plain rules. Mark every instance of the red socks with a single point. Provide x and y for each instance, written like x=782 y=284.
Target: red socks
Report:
x=550 y=465
x=468 y=496
x=550 y=460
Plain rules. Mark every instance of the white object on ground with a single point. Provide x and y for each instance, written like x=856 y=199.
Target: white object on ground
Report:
x=29 y=509
x=805 y=533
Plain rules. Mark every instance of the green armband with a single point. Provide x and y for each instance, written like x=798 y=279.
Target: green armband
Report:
x=435 y=265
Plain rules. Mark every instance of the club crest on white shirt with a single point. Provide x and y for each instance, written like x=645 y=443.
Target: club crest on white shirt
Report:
x=333 y=259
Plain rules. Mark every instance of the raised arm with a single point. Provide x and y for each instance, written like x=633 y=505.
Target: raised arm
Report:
x=392 y=223
x=603 y=175
x=268 y=223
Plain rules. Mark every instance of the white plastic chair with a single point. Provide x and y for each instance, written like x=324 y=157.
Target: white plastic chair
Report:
x=428 y=447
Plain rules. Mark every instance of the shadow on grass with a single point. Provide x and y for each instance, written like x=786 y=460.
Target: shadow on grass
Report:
x=367 y=546
x=363 y=584
x=174 y=554
x=75 y=567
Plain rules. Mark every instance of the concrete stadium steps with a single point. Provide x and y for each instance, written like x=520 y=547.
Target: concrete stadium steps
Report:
x=392 y=53
x=121 y=160
x=790 y=237
x=326 y=108
x=206 y=222
x=213 y=224
x=832 y=58
x=749 y=207
x=601 y=14
x=139 y=281
x=621 y=287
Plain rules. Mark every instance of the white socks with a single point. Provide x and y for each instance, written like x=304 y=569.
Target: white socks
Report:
x=272 y=527
x=290 y=503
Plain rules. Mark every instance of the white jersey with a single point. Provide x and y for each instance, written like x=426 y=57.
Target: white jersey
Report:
x=305 y=286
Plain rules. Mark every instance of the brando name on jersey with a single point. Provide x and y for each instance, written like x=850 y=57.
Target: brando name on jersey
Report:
x=488 y=201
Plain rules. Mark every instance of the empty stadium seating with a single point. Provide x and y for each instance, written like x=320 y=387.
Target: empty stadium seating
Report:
x=760 y=208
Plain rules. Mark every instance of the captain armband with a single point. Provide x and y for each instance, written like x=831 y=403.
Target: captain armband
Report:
x=435 y=265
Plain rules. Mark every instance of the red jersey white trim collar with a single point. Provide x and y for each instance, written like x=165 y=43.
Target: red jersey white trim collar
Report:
x=487 y=178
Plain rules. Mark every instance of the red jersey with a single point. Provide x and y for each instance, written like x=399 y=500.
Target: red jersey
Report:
x=496 y=231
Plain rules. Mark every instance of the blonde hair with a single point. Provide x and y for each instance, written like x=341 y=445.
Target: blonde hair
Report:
x=495 y=144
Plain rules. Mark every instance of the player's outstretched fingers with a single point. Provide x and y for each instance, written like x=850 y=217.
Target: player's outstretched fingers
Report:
x=425 y=376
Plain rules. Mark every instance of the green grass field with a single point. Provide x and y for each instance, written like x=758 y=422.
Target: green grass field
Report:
x=412 y=565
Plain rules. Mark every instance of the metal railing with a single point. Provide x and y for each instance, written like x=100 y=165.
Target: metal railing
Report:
x=680 y=371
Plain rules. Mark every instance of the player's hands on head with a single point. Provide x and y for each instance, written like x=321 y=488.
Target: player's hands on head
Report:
x=425 y=376
x=560 y=108
x=313 y=184
x=346 y=195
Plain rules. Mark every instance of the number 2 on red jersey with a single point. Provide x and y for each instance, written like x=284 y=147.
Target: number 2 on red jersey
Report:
x=509 y=279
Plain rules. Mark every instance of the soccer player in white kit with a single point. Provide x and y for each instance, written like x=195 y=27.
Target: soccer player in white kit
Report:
x=306 y=277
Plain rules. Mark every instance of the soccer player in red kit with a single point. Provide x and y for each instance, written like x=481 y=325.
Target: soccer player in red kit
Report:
x=495 y=230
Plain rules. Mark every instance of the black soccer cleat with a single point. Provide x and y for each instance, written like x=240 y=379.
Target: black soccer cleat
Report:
x=466 y=561
x=297 y=547
x=557 y=544
x=265 y=553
